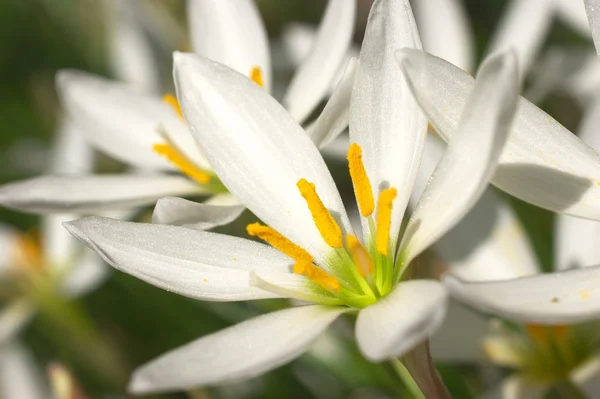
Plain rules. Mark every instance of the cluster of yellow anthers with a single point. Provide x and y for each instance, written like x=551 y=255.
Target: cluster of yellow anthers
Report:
x=370 y=269
x=27 y=256
x=176 y=156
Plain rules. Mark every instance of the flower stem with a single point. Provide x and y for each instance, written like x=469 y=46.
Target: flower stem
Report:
x=408 y=380
x=419 y=364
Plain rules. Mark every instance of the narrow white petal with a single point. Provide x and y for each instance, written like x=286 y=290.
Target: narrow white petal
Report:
x=588 y=129
x=87 y=273
x=335 y=117
x=460 y=337
x=181 y=212
x=523 y=27
x=557 y=298
x=19 y=378
x=258 y=151
x=517 y=387
x=471 y=158
x=116 y=118
x=13 y=317
x=237 y=353
x=576 y=242
x=194 y=263
x=297 y=39
x=71 y=153
x=587 y=377
x=401 y=320
x=592 y=8
x=231 y=33
x=573 y=13
x=315 y=75
x=8 y=241
x=291 y=285
x=60 y=248
x=543 y=163
x=225 y=199
x=90 y=194
x=385 y=120
x=445 y=32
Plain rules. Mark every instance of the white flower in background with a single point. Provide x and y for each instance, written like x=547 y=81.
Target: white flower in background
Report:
x=147 y=133
x=267 y=161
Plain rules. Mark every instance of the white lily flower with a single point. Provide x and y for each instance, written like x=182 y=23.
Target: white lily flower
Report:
x=265 y=159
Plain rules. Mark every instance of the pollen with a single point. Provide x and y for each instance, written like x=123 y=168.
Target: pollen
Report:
x=326 y=224
x=278 y=241
x=172 y=101
x=256 y=76
x=360 y=256
x=360 y=180
x=384 y=219
x=317 y=275
x=182 y=163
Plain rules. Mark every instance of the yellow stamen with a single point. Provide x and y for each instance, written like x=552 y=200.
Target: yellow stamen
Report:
x=278 y=241
x=360 y=180
x=360 y=256
x=256 y=76
x=384 y=219
x=317 y=275
x=28 y=254
x=182 y=163
x=172 y=101
x=328 y=227
x=543 y=334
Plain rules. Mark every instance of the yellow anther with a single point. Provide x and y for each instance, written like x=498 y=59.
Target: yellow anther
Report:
x=384 y=219
x=256 y=76
x=172 y=101
x=544 y=334
x=278 y=241
x=317 y=275
x=182 y=163
x=360 y=180
x=27 y=253
x=360 y=256
x=328 y=227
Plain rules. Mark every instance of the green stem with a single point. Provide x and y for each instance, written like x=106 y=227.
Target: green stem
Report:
x=419 y=364
x=407 y=379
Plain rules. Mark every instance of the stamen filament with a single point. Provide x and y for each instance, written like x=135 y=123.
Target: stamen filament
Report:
x=360 y=256
x=278 y=241
x=182 y=163
x=173 y=102
x=360 y=180
x=257 y=77
x=326 y=224
x=384 y=219
x=317 y=275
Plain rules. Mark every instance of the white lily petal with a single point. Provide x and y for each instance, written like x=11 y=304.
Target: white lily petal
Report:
x=181 y=212
x=71 y=154
x=335 y=117
x=573 y=13
x=197 y=264
x=459 y=339
x=576 y=242
x=557 y=298
x=8 y=240
x=338 y=149
x=518 y=387
x=315 y=75
x=292 y=285
x=588 y=129
x=297 y=39
x=231 y=33
x=258 y=151
x=226 y=356
x=592 y=8
x=402 y=319
x=471 y=158
x=116 y=118
x=225 y=199
x=86 y=274
x=19 y=378
x=59 y=247
x=587 y=376
x=445 y=32
x=385 y=120
x=91 y=194
x=523 y=28
x=543 y=163
x=14 y=317
x=584 y=84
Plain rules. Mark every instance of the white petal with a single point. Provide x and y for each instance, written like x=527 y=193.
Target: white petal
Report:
x=471 y=157
x=523 y=27
x=588 y=129
x=587 y=377
x=181 y=212
x=237 y=353
x=258 y=151
x=592 y=8
x=19 y=378
x=298 y=39
x=385 y=120
x=576 y=242
x=459 y=339
x=401 y=320
x=334 y=118
x=71 y=153
x=88 y=272
x=330 y=47
x=116 y=118
x=445 y=32
x=518 y=387
x=291 y=285
x=90 y=194
x=225 y=199
x=60 y=248
x=231 y=33
x=194 y=263
x=557 y=298
x=543 y=163
x=8 y=241
x=573 y=13
x=14 y=317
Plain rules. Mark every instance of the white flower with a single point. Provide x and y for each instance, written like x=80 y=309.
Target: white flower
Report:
x=267 y=161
